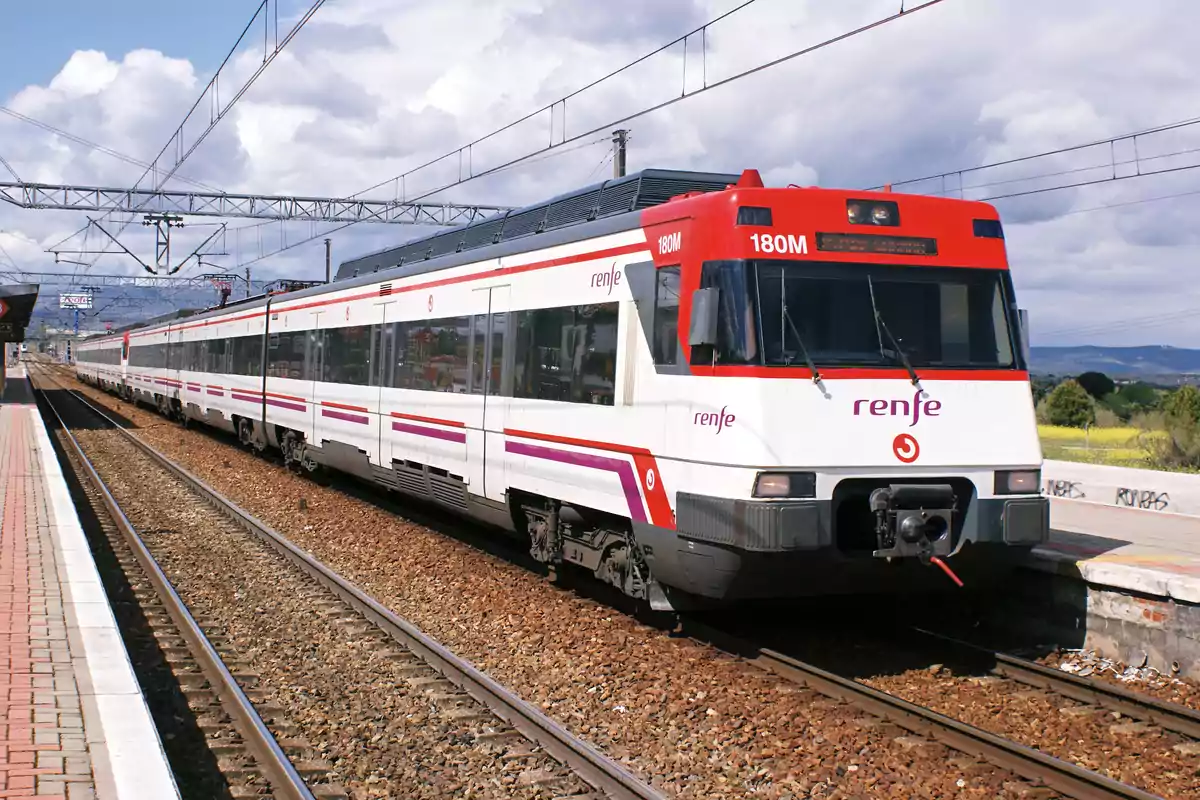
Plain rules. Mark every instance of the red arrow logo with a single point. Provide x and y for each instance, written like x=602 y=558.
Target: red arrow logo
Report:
x=905 y=448
x=3 y=308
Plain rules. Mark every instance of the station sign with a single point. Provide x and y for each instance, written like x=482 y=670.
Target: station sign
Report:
x=76 y=300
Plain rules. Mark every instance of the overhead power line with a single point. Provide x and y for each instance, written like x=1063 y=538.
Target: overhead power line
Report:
x=467 y=148
x=99 y=148
x=1126 y=324
x=1116 y=169
x=268 y=10
x=464 y=152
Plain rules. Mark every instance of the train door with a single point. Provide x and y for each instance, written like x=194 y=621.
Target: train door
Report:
x=383 y=374
x=491 y=352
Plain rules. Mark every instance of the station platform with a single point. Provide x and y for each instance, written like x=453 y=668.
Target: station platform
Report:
x=73 y=722
x=1150 y=553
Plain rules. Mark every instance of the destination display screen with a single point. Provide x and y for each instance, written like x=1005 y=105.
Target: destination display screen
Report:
x=871 y=243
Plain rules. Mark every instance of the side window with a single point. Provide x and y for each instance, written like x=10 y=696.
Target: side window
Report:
x=666 y=316
x=567 y=354
x=737 y=336
x=499 y=334
x=216 y=356
x=285 y=355
x=450 y=354
x=479 y=325
x=347 y=355
x=246 y=358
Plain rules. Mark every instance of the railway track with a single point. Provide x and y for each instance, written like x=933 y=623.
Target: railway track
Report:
x=1031 y=764
x=213 y=693
x=1168 y=716
x=584 y=772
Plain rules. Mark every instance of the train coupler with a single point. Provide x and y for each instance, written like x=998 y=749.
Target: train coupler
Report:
x=913 y=520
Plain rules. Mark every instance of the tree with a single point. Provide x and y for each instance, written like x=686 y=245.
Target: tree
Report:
x=1070 y=405
x=1140 y=395
x=1181 y=417
x=1182 y=406
x=1097 y=384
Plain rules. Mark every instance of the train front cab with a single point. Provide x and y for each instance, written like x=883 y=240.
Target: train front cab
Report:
x=816 y=344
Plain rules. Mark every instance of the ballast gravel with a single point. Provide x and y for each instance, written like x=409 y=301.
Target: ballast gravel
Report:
x=685 y=717
x=382 y=735
x=1139 y=754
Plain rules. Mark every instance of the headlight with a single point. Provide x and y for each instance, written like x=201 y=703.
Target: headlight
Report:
x=785 y=484
x=1024 y=481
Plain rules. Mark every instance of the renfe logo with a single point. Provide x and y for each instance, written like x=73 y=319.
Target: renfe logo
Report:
x=714 y=419
x=610 y=278
x=900 y=408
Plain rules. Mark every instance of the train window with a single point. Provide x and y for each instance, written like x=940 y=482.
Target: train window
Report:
x=397 y=370
x=316 y=348
x=737 y=336
x=216 y=356
x=347 y=355
x=286 y=355
x=245 y=355
x=567 y=354
x=499 y=328
x=385 y=339
x=479 y=326
x=436 y=355
x=666 y=316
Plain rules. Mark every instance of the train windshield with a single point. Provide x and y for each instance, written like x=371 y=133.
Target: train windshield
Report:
x=857 y=314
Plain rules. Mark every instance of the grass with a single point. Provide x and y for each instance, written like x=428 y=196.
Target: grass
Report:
x=1117 y=447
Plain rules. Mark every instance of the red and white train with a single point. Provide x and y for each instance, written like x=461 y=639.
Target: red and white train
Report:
x=696 y=387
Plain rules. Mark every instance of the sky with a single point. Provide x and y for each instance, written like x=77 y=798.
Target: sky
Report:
x=370 y=89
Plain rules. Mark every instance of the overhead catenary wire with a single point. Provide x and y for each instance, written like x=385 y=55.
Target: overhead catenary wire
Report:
x=1184 y=123
x=99 y=148
x=612 y=123
x=210 y=90
x=561 y=100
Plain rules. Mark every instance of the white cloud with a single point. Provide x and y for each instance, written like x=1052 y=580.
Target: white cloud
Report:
x=374 y=87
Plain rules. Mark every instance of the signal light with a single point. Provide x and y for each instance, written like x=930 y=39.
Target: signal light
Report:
x=873 y=212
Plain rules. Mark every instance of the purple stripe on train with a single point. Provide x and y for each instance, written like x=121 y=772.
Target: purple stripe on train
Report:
x=432 y=433
x=215 y=392
x=273 y=401
x=344 y=417
x=622 y=468
x=245 y=398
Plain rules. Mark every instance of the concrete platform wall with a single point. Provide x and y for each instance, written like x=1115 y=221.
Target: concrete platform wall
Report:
x=1122 y=487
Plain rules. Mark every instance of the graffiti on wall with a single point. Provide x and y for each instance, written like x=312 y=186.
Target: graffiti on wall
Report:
x=1145 y=499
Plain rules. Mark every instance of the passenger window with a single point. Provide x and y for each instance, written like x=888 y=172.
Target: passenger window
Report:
x=436 y=353
x=347 y=355
x=499 y=334
x=666 y=316
x=567 y=354
x=479 y=324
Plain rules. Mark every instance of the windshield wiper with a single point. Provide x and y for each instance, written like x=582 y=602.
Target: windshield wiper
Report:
x=912 y=373
x=816 y=376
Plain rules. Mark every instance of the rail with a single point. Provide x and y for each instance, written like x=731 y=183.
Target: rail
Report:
x=1033 y=765
x=589 y=763
x=286 y=782
x=1169 y=716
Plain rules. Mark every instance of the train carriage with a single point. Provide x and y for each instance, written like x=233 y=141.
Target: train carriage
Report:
x=699 y=388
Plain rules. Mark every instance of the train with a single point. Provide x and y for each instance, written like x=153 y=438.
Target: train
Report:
x=697 y=388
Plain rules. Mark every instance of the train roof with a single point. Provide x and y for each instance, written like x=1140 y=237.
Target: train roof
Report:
x=170 y=316
x=610 y=198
